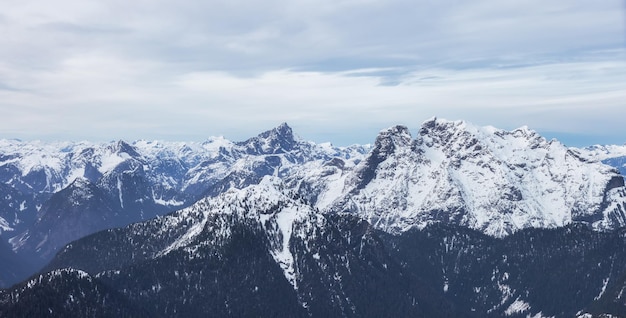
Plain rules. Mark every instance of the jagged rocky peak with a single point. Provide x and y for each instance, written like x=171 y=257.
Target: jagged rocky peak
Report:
x=277 y=140
x=282 y=130
x=435 y=124
x=526 y=132
x=489 y=179
x=392 y=138
x=389 y=142
x=121 y=146
x=81 y=183
x=460 y=138
x=439 y=132
x=532 y=138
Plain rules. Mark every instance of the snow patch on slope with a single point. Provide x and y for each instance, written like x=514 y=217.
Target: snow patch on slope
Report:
x=517 y=307
x=109 y=162
x=4 y=226
x=188 y=237
x=284 y=220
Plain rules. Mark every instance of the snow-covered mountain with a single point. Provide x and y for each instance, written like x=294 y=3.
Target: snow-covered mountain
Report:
x=459 y=220
x=176 y=172
x=484 y=178
x=453 y=172
x=54 y=193
x=265 y=250
x=613 y=155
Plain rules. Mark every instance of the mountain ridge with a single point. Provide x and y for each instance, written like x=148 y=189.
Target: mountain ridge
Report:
x=133 y=181
x=458 y=221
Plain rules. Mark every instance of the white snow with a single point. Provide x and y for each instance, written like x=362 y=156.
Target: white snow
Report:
x=603 y=152
x=19 y=240
x=538 y=315
x=283 y=256
x=171 y=202
x=282 y=220
x=605 y=283
x=4 y=226
x=215 y=144
x=119 y=191
x=42 y=242
x=518 y=306
x=110 y=161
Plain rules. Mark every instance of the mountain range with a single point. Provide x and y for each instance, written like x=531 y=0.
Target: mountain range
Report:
x=59 y=192
x=457 y=221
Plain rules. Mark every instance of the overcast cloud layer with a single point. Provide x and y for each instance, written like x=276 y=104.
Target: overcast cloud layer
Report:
x=334 y=70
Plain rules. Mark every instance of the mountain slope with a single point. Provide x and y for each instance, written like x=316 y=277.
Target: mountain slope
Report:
x=74 y=212
x=263 y=250
x=66 y=293
x=612 y=155
x=256 y=251
x=14 y=267
x=534 y=272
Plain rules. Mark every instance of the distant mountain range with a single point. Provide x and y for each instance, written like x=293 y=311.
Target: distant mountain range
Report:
x=59 y=192
x=457 y=221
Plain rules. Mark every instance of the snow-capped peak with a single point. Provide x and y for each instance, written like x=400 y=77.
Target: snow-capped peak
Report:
x=122 y=147
x=277 y=140
x=391 y=138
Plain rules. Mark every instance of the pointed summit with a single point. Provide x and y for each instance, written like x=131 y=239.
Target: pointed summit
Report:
x=391 y=138
x=80 y=182
x=438 y=126
x=277 y=140
x=389 y=141
x=122 y=146
x=282 y=131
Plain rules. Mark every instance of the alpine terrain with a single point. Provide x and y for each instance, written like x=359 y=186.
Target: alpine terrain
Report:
x=456 y=221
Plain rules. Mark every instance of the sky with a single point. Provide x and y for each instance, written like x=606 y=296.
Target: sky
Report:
x=335 y=70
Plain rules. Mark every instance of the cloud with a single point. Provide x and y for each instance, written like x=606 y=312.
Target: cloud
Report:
x=335 y=70
x=278 y=34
